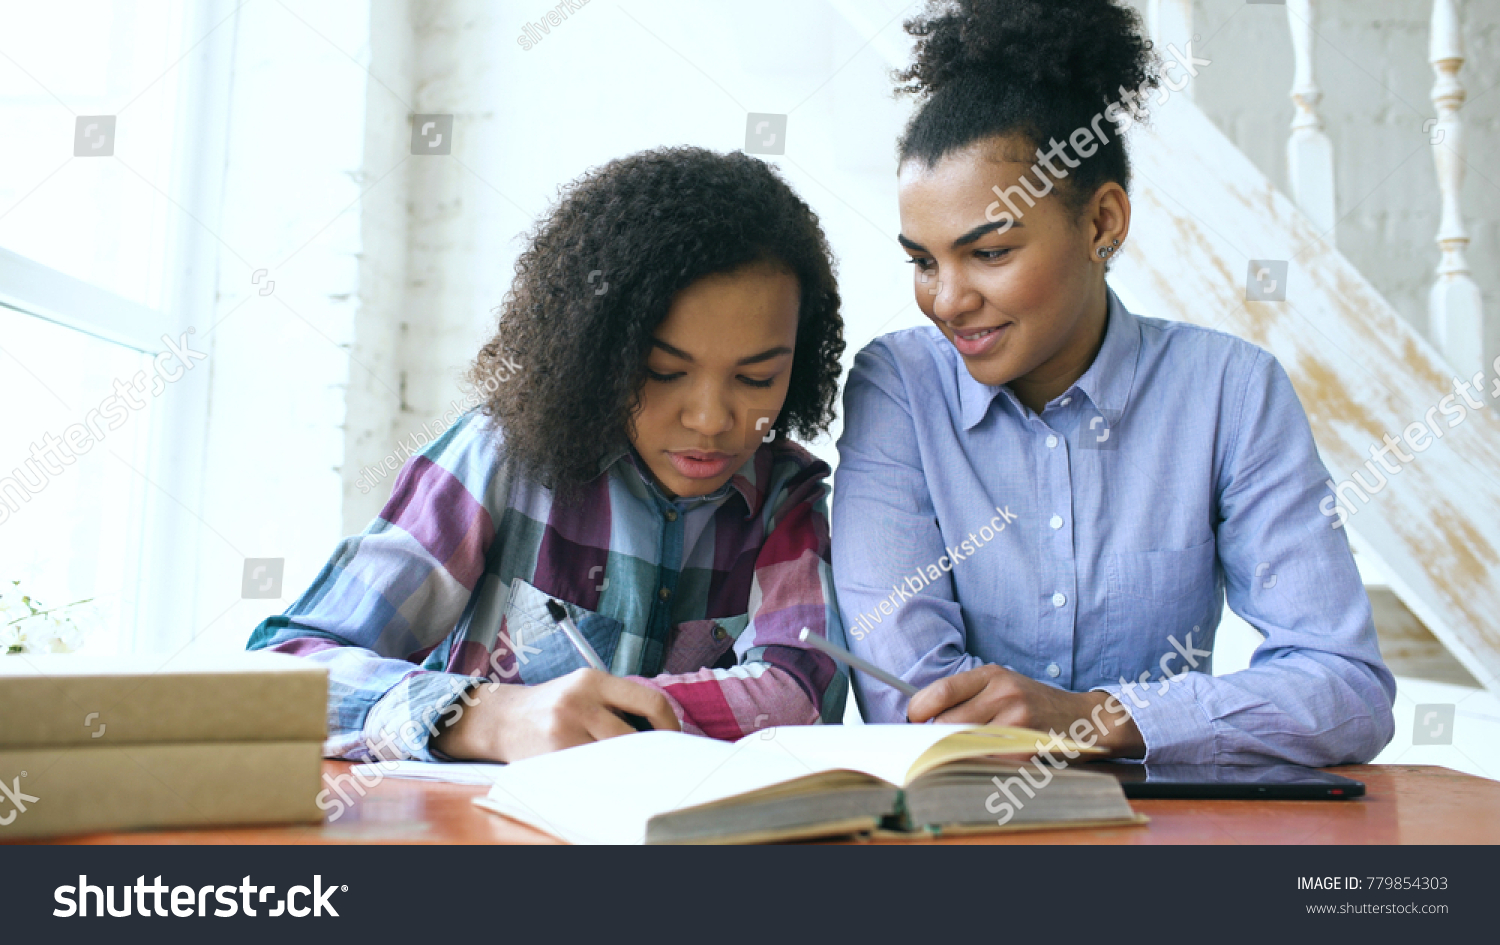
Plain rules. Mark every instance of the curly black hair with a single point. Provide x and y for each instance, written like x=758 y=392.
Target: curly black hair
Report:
x=1036 y=68
x=597 y=278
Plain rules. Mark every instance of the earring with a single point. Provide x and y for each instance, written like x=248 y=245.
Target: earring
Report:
x=1104 y=251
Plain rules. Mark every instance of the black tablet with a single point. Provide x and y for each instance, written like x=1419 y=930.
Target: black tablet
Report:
x=1230 y=781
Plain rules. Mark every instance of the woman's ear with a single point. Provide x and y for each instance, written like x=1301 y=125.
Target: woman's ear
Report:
x=1108 y=221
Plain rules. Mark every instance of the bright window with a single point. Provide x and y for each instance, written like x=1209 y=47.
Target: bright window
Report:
x=71 y=530
x=89 y=96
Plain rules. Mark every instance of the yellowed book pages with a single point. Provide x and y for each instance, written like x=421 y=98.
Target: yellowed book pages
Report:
x=67 y=699
x=56 y=791
x=991 y=740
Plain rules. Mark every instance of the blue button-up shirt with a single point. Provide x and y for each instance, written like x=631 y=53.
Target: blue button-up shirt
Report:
x=1091 y=546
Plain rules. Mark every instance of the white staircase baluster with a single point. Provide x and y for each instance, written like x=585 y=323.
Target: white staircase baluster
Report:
x=1309 y=152
x=1454 y=307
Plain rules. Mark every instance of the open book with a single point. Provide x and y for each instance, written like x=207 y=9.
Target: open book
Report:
x=797 y=782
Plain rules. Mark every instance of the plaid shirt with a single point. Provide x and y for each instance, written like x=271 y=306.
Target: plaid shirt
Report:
x=700 y=598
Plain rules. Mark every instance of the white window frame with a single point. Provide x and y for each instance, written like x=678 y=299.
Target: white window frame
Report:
x=165 y=617
x=33 y=289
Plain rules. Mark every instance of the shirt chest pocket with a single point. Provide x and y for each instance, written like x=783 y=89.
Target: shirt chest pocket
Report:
x=543 y=651
x=1155 y=596
x=700 y=644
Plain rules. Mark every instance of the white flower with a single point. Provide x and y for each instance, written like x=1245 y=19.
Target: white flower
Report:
x=13 y=636
x=21 y=631
x=65 y=636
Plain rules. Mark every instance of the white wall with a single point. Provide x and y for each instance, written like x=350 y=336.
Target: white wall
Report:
x=290 y=156
x=388 y=266
x=610 y=80
x=615 y=78
x=373 y=398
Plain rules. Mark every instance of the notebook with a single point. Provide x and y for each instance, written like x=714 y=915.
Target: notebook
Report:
x=799 y=782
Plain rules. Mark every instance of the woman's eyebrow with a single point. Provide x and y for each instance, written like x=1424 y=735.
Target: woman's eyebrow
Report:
x=765 y=355
x=674 y=352
x=984 y=228
x=964 y=240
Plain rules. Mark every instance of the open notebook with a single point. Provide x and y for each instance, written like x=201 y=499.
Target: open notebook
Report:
x=796 y=782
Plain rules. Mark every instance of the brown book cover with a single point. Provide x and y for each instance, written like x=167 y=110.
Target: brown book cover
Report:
x=54 y=700
x=58 y=791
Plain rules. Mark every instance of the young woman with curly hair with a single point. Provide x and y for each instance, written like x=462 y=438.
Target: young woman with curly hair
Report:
x=1074 y=486
x=673 y=321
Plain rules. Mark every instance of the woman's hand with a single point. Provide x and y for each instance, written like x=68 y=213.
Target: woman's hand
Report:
x=511 y=722
x=994 y=695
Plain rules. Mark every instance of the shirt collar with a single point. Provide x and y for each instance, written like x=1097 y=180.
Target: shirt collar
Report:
x=638 y=480
x=1110 y=379
x=1107 y=382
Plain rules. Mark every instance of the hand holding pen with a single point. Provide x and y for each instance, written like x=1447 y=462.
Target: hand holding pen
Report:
x=509 y=721
x=559 y=615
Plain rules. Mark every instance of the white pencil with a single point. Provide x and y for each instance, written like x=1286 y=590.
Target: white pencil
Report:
x=855 y=662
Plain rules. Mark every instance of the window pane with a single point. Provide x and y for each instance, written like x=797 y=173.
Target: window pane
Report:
x=69 y=505
x=102 y=219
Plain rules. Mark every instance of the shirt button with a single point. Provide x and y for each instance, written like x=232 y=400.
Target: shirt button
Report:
x=1058 y=599
x=1051 y=442
x=1056 y=521
x=671 y=515
x=1066 y=401
x=666 y=594
x=1054 y=670
x=720 y=634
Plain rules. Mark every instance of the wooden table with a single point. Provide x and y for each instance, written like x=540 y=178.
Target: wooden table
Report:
x=1404 y=804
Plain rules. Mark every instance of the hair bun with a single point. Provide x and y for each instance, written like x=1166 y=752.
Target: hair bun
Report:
x=1082 y=49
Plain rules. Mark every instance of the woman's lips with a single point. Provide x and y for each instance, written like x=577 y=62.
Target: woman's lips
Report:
x=700 y=464
x=975 y=342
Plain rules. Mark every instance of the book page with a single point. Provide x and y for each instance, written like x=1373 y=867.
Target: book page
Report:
x=606 y=791
x=896 y=753
x=1014 y=743
x=885 y=751
x=453 y=772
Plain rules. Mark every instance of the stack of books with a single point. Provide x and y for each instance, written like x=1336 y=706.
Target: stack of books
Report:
x=119 y=743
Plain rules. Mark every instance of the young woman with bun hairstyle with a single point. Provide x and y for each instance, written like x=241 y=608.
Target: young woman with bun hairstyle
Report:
x=1043 y=498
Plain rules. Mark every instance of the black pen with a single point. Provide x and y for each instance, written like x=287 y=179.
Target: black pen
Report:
x=575 y=636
